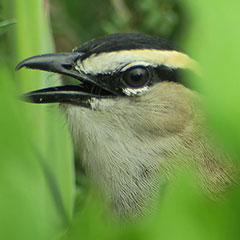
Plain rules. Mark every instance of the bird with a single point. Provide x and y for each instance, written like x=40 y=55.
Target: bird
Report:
x=132 y=120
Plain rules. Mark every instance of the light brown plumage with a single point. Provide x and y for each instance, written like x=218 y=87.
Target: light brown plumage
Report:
x=130 y=146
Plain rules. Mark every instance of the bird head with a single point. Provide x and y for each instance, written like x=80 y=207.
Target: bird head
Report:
x=117 y=65
x=128 y=115
x=136 y=74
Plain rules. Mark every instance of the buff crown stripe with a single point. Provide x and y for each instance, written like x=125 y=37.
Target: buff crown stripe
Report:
x=107 y=62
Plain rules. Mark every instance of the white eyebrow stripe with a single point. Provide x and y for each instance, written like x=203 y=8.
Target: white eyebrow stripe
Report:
x=137 y=63
x=109 y=62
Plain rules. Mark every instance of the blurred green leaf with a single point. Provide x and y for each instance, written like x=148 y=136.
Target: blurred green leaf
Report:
x=4 y=25
x=36 y=156
x=214 y=41
x=7 y=23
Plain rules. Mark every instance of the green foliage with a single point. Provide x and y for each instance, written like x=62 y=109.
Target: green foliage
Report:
x=219 y=39
x=4 y=25
x=36 y=175
x=78 y=21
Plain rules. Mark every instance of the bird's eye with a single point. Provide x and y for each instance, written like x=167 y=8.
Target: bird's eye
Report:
x=136 y=77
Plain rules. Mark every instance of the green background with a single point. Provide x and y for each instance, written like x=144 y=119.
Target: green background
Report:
x=37 y=177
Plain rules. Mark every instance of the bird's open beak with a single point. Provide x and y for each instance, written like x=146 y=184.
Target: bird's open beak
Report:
x=63 y=63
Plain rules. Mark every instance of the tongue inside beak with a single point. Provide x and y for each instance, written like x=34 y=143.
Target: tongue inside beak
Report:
x=65 y=94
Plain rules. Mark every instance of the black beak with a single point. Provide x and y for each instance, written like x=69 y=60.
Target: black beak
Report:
x=63 y=63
